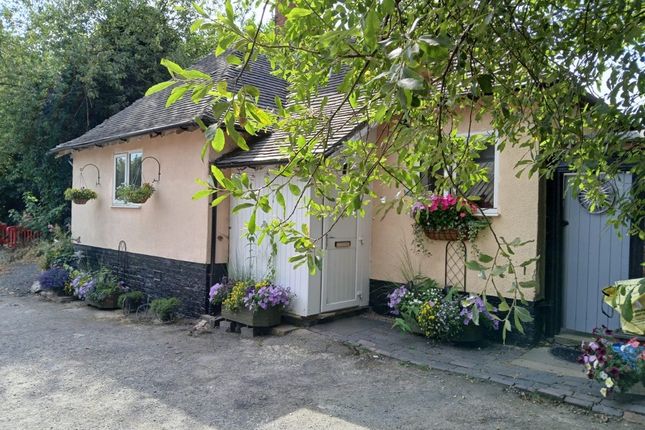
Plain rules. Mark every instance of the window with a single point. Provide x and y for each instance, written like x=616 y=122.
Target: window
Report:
x=127 y=170
x=487 y=191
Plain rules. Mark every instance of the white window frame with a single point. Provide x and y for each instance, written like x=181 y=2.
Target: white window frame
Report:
x=116 y=202
x=494 y=211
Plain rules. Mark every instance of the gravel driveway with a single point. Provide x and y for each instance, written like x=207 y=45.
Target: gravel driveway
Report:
x=66 y=366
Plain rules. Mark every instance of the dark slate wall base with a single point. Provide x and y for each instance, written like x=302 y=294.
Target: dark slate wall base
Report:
x=533 y=331
x=156 y=276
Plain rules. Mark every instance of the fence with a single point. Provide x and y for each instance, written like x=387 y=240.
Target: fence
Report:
x=12 y=236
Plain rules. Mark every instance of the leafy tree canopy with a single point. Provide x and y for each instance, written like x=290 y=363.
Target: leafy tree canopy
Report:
x=66 y=66
x=416 y=67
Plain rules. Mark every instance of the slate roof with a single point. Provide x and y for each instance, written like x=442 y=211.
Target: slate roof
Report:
x=269 y=149
x=149 y=114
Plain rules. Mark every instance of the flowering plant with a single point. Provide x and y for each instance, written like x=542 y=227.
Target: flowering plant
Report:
x=265 y=295
x=82 y=284
x=54 y=279
x=473 y=308
x=448 y=212
x=422 y=307
x=235 y=295
x=220 y=291
x=616 y=365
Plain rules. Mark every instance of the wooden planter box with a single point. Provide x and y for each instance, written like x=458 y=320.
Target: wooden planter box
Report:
x=258 y=318
x=109 y=302
x=449 y=234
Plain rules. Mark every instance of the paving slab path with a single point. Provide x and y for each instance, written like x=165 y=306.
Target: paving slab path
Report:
x=533 y=371
x=67 y=366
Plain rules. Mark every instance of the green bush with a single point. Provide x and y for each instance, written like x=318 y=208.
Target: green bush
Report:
x=133 y=299
x=59 y=252
x=165 y=309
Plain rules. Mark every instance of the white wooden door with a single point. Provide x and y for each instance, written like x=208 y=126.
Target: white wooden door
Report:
x=340 y=286
x=594 y=257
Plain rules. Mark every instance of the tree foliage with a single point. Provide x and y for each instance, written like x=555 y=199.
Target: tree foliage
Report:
x=415 y=67
x=66 y=66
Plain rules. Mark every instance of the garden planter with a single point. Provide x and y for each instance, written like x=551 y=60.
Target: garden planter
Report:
x=257 y=318
x=80 y=201
x=109 y=302
x=449 y=234
x=139 y=201
x=471 y=334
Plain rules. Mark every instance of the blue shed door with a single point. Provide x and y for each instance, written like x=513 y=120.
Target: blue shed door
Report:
x=594 y=257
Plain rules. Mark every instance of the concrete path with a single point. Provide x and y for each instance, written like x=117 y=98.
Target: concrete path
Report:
x=526 y=370
x=68 y=366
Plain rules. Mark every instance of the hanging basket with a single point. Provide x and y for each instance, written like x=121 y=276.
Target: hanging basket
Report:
x=450 y=234
x=80 y=201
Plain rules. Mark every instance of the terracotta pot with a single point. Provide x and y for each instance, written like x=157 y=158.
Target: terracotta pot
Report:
x=80 y=201
x=258 y=318
x=449 y=234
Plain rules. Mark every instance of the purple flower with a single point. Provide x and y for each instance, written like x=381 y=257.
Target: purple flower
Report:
x=267 y=296
x=474 y=301
x=394 y=299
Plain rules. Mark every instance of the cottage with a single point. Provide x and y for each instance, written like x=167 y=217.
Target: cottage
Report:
x=174 y=245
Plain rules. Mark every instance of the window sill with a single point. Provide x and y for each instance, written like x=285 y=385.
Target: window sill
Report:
x=488 y=212
x=125 y=206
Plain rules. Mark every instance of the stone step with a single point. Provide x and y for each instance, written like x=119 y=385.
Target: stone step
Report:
x=571 y=339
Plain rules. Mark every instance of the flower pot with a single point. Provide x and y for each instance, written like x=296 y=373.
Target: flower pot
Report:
x=256 y=318
x=470 y=334
x=110 y=302
x=450 y=234
x=80 y=201
x=139 y=201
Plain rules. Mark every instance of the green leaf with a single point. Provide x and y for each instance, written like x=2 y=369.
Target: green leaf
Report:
x=250 y=225
x=475 y=265
x=410 y=84
x=219 y=200
x=175 y=95
x=503 y=306
x=371 y=28
x=219 y=140
x=202 y=193
x=280 y=199
x=528 y=284
x=523 y=314
x=241 y=206
x=485 y=83
x=173 y=68
x=298 y=12
x=159 y=87
x=295 y=190
x=217 y=173
x=484 y=258
x=626 y=310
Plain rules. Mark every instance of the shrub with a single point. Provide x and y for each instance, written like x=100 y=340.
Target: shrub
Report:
x=54 y=279
x=58 y=252
x=80 y=194
x=37 y=215
x=132 y=300
x=134 y=194
x=165 y=309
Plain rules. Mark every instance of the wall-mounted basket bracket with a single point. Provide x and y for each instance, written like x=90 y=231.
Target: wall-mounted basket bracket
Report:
x=98 y=174
x=158 y=168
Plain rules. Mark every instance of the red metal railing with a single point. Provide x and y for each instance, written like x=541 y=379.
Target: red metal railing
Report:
x=12 y=236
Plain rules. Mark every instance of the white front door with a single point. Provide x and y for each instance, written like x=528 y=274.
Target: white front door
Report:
x=340 y=286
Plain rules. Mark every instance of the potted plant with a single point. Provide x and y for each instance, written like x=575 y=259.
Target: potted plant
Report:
x=105 y=291
x=617 y=365
x=447 y=217
x=421 y=307
x=254 y=304
x=166 y=309
x=424 y=308
x=134 y=193
x=80 y=196
x=130 y=301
